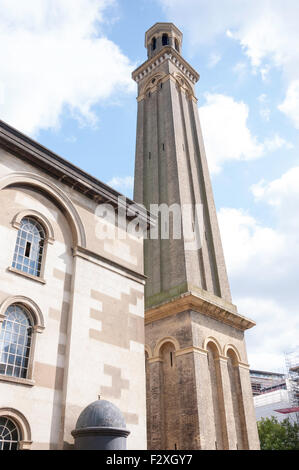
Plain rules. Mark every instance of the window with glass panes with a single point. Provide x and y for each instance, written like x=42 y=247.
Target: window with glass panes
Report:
x=29 y=247
x=15 y=342
x=9 y=434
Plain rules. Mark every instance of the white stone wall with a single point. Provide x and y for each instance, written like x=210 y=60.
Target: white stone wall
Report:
x=93 y=310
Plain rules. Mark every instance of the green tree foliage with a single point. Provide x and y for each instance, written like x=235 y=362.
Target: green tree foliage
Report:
x=275 y=435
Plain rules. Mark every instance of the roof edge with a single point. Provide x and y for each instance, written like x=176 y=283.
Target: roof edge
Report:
x=25 y=147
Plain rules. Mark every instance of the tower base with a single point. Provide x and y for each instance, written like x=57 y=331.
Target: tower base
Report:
x=198 y=385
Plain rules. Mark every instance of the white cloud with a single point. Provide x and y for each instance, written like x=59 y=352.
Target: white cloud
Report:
x=244 y=239
x=71 y=140
x=122 y=183
x=275 y=143
x=214 y=59
x=226 y=133
x=56 y=59
x=263 y=264
x=265 y=72
x=241 y=70
x=265 y=111
x=266 y=346
x=266 y=30
x=263 y=98
x=283 y=195
x=265 y=114
x=290 y=106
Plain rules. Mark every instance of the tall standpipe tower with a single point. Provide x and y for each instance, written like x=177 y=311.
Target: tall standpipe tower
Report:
x=198 y=385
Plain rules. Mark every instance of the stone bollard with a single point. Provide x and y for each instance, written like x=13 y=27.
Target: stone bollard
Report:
x=101 y=426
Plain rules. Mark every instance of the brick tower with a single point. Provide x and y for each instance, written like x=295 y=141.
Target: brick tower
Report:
x=198 y=386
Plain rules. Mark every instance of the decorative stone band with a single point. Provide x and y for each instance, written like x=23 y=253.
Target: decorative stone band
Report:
x=101 y=431
x=165 y=54
x=191 y=349
x=154 y=89
x=25 y=445
x=197 y=350
x=108 y=264
x=17 y=380
x=29 y=276
x=155 y=359
x=194 y=301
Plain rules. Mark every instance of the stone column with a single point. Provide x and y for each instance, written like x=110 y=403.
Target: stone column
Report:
x=156 y=431
x=138 y=194
x=228 y=410
x=204 y=400
x=186 y=389
x=248 y=406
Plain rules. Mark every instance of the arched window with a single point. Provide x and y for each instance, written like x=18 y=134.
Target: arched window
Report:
x=176 y=45
x=15 y=342
x=154 y=44
x=29 y=247
x=165 y=40
x=9 y=434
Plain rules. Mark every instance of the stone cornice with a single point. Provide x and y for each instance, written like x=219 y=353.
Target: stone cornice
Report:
x=27 y=149
x=167 y=53
x=194 y=301
x=109 y=264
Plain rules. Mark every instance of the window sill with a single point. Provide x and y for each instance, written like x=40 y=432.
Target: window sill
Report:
x=16 y=380
x=29 y=276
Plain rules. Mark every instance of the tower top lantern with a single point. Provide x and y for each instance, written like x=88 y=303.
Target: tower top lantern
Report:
x=161 y=35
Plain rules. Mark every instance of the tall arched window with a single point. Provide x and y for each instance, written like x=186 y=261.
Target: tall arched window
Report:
x=176 y=45
x=15 y=342
x=9 y=434
x=29 y=247
x=165 y=40
x=154 y=44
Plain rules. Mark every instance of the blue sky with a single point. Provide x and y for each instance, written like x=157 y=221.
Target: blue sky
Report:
x=65 y=79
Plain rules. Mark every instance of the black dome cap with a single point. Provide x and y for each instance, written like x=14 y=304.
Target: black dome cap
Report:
x=101 y=414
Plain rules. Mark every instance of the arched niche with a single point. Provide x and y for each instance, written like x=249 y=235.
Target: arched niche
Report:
x=183 y=84
x=213 y=343
x=53 y=192
x=233 y=359
x=148 y=351
x=216 y=389
x=165 y=39
x=231 y=351
x=152 y=83
x=161 y=342
x=170 y=395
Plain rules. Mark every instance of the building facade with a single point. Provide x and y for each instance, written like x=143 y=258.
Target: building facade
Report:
x=264 y=382
x=268 y=405
x=277 y=394
x=71 y=301
x=198 y=386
